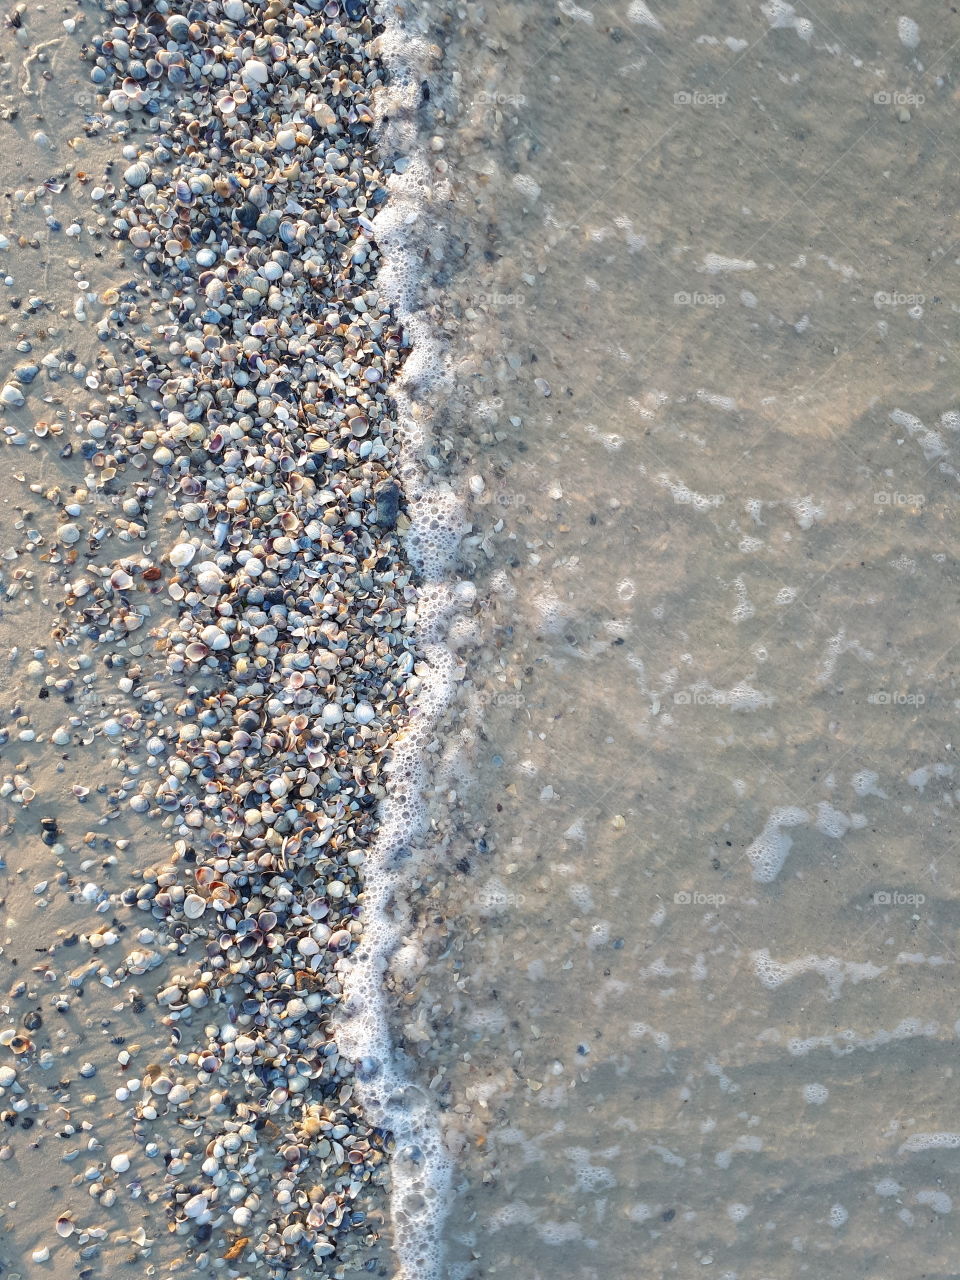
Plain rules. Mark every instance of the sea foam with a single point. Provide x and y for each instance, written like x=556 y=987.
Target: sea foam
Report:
x=421 y=1168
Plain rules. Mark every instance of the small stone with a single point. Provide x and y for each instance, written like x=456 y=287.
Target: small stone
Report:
x=7 y=1077
x=388 y=504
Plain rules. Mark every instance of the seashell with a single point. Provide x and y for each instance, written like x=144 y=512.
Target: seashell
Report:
x=215 y=638
x=178 y=28
x=121 y=580
x=65 y=1226
x=20 y=1044
x=225 y=893
x=12 y=396
x=137 y=174
x=255 y=73
x=194 y=906
x=182 y=554
x=196 y=651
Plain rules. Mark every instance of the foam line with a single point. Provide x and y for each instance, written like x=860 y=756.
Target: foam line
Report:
x=421 y=1169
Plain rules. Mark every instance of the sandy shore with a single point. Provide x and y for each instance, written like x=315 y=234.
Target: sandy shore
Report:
x=205 y=621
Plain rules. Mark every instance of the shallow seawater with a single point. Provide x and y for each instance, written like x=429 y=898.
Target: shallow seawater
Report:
x=706 y=991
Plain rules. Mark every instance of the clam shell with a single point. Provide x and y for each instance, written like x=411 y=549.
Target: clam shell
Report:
x=182 y=554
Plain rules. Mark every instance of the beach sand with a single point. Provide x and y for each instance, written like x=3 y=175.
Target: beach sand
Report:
x=674 y=979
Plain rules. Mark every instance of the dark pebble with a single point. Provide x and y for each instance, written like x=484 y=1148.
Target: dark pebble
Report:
x=388 y=504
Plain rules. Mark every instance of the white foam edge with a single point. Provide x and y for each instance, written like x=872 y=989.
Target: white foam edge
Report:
x=421 y=1167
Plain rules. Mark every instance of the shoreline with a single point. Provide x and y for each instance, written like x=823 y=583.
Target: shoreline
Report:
x=244 y=630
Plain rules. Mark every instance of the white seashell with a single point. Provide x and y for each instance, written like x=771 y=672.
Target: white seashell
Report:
x=255 y=73
x=137 y=174
x=182 y=554
x=11 y=396
x=214 y=638
x=195 y=1206
x=194 y=906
